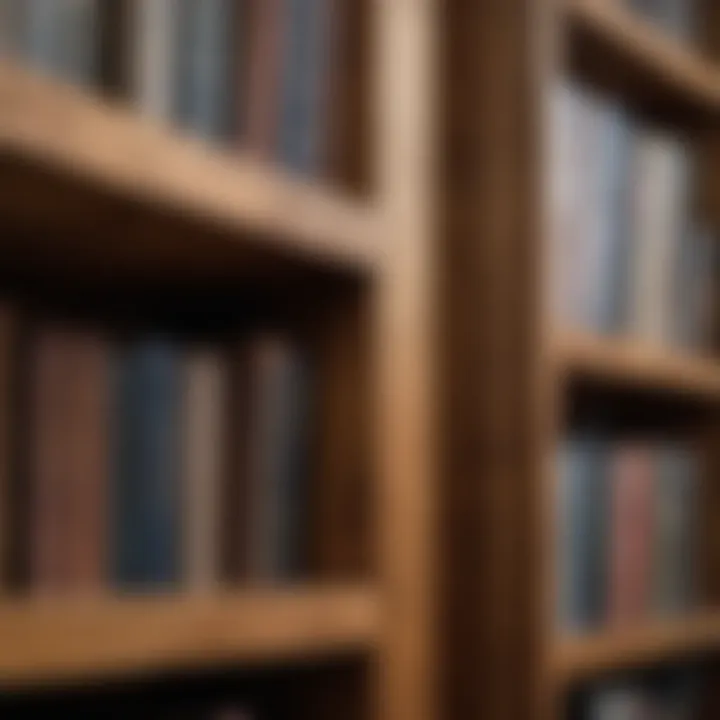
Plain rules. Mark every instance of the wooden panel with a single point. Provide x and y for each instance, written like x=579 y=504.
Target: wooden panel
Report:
x=635 y=364
x=86 y=638
x=403 y=33
x=634 y=55
x=661 y=642
x=59 y=129
x=496 y=391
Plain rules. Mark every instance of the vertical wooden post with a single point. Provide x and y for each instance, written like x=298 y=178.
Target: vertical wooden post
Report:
x=402 y=77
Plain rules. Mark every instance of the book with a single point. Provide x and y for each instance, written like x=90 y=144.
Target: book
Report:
x=566 y=260
x=694 y=291
x=60 y=38
x=88 y=418
x=630 y=530
x=147 y=484
x=69 y=460
x=582 y=504
x=11 y=27
x=305 y=77
x=152 y=56
x=51 y=370
x=276 y=466
x=675 y=517
x=269 y=21
x=206 y=70
x=659 y=212
x=204 y=459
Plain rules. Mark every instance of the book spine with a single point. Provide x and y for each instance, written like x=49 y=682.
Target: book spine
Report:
x=631 y=531
x=79 y=31
x=581 y=542
x=152 y=56
x=659 y=210
x=205 y=77
x=267 y=365
x=146 y=485
x=269 y=20
x=305 y=75
x=591 y=214
x=564 y=225
x=88 y=421
x=41 y=39
x=291 y=468
x=203 y=419
x=11 y=27
x=48 y=460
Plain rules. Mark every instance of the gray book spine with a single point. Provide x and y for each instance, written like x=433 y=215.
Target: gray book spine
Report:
x=611 y=292
x=61 y=38
x=11 y=27
x=206 y=63
x=304 y=84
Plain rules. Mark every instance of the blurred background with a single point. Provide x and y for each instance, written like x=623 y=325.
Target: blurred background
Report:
x=358 y=359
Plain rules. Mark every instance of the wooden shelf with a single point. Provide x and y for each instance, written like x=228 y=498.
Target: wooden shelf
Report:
x=46 y=640
x=634 y=364
x=618 y=41
x=73 y=163
x=580 y=658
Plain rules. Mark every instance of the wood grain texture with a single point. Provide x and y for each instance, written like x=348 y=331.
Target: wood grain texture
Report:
x=80 y=639
x=497 y=412
x=636 y=365
x=403 y=78
x=575 y=659
x=60 y=129
x=634 y=46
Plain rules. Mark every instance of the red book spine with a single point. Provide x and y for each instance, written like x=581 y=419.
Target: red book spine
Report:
x=630 y=526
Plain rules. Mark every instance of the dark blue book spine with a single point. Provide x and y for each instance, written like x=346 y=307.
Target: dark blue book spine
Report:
x=146 y=481
x=582 y=527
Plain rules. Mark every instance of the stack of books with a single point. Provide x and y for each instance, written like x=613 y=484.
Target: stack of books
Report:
x=676 y=17
x=143 y=462
x=256 y=74
x=627 y=255
x=676 y=695
x=627 y=521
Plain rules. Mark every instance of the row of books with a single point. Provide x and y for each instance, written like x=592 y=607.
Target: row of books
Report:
x=677 y=17
x=627 y=521
x=143 y=463
x=254 y=73
x=627 y=254
x=675 y=696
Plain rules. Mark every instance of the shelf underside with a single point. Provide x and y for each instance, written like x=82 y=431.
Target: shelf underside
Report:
x=89 y=184
x=47 y=640
x=618 y=47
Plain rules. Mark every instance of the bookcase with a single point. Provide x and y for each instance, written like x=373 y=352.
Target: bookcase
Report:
x=116 y=214
x=514 y=379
